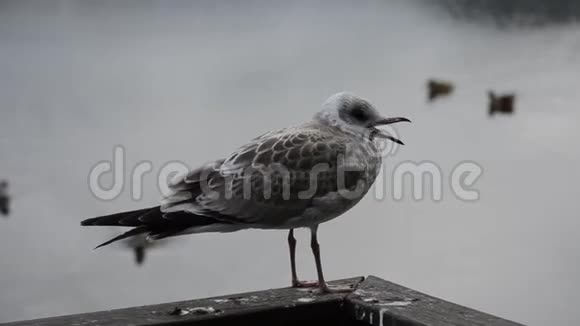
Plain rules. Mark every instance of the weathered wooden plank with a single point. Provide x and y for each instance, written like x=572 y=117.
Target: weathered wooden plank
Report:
x=379 y=302
x=285 y=306
x=375 y=302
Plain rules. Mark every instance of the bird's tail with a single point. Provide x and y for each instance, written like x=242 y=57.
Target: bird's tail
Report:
x=130 y=233
x=152 y=221
x=132 y=218
x=137 y=219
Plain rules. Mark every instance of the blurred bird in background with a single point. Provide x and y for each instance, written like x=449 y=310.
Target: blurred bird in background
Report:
x=4 y=198
x=438 y=88
x=503 y=104
x=139 y=244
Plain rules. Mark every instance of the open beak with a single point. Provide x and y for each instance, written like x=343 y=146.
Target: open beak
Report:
x=375 y=132
x=388 y=121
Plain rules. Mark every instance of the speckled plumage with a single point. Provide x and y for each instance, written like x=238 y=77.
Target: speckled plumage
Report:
x=309 y=156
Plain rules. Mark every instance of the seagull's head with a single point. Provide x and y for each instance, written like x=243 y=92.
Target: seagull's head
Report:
x=356 y=115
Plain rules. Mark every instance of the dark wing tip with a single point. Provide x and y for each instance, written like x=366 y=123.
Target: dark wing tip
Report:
x=127 y=234
x=89 y=221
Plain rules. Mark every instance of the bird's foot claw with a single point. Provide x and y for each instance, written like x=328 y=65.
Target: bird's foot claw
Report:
x=304 y=284
x=336 y=289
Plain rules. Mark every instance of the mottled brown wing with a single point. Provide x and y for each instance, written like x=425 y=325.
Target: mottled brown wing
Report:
x=276 y=177
x=267 y=181
x=271 y=179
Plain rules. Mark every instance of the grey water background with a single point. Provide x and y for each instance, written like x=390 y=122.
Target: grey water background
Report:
x=191 y=81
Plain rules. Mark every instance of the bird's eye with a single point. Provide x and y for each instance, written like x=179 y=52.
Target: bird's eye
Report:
x=359 y=113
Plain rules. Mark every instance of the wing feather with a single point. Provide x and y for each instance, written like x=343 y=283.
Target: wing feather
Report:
x=266 y=181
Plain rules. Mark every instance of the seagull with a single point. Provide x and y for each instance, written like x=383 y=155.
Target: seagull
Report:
x=296 y=177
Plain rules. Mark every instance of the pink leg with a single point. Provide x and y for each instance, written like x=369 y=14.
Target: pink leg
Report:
x=295 y=282
x=323 y=287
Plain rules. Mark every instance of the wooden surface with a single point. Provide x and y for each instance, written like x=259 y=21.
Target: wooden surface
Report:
x=374 y=302
x=379 y=302
x=285 y=306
